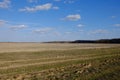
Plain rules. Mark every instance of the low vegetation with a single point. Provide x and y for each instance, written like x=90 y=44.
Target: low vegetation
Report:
x=64 y=64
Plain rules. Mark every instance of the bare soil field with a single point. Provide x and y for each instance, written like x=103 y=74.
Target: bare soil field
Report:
x=48 y=61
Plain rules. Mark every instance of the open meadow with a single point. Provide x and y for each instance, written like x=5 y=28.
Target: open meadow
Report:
x=59 y=61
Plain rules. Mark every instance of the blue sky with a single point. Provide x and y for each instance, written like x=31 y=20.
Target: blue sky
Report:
x=58 y=20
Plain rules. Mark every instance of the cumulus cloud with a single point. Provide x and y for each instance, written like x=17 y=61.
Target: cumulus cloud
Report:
x=2 y=22
x=117 y=25
x=5 y=4
x=100 y=31
x=73 y=17
x=18 y=27
x=42 y=31
x=43 y=7
x=37 y=8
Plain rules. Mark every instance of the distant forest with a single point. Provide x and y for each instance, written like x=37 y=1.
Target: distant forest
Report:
x=117 y=40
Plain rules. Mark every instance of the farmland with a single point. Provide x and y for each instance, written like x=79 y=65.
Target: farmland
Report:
x=55 y=61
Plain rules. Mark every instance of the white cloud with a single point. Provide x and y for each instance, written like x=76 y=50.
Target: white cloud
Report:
x=55 y=8
x=117 y=25
x=69 y=1
x=5 y=4
x=80 y=30
x=2 y=22
x=68 y=32
x=80 y=25
x=46 y=6
x=31 y=1
x=73 y=17
x=57 y=33
x=57 y=0
x=42 y=31
x=66 y=1
x=113 y=16
x=43 y=7
x=18 y=27
x=100 y=31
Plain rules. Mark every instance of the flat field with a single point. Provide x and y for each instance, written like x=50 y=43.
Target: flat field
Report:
x=55 y=61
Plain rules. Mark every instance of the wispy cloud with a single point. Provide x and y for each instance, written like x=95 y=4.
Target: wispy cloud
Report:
x=57 y=0
x=55 y=8
x=5 y=4
x=72 y=17
x=18 y=27
x=68 y=32
x=2 y=22
x=117 y=25
x=80 y=30
x=80 y=25
x=66 y=1
x=43 y=7
x=69 y=1
x=57 y=33
x=113 y=16
x=99 y=31
x=31 y=1
x=42 y=31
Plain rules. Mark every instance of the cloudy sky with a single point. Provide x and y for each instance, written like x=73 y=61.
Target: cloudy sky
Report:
x=53 y=20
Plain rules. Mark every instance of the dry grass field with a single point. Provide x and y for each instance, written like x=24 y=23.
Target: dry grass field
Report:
x=27 y=47
x=48 y=61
